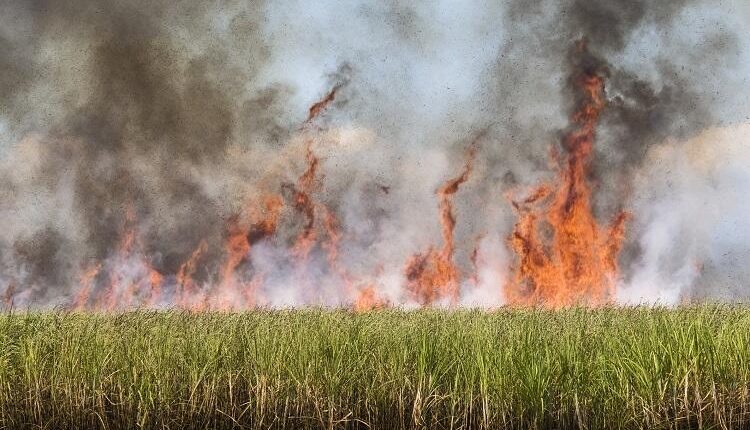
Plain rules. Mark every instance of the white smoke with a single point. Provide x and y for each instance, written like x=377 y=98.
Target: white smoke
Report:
x=692 y=220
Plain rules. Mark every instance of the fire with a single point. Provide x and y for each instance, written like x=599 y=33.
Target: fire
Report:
x=306 y=184
x=264 y=227
x=564 y=256
x=129 y=278
x=577 y=262
x=317 y=108
x=187 y=288
x=234 y=291
x=304 y=204
x=364 y=292
x=367 y=300
x=236 y=250
x=433 y=275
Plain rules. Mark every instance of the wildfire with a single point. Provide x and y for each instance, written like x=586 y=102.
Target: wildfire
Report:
x=131 y=281
x=576 y=263
x=564 y=257
x=367 y=300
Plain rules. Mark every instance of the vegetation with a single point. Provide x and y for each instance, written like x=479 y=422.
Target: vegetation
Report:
x=575 y=368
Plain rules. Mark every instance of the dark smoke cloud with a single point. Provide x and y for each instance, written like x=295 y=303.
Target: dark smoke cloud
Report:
x=143 y=114
x=641 y=110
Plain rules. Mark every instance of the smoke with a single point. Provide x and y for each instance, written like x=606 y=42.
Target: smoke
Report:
x=692 y=226
x=189 y=118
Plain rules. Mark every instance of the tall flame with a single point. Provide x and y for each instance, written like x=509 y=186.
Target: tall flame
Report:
x=234 y=290
x=188 y=296
x=433 y=275
x=576 y=263
x=305 y=205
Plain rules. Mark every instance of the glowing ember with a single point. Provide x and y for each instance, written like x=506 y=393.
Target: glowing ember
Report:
x=578 y=263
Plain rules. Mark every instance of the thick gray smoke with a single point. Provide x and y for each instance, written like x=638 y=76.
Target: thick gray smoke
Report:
x=176 y=121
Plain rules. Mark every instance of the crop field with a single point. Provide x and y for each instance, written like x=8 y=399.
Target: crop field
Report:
x=574 y=368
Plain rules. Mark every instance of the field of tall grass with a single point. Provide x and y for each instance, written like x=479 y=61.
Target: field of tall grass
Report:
x=575 y=368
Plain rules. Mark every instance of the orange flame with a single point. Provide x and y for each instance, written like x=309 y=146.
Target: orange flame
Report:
x=331 y=246
x=578 y=264
x=368 y=300
x=433 y=275
x=564 y=256
x=265 y=226
x=131 y=281
x=236 y=249
x=306 y=184
x=231 y=290
x=188 y=291
x=365 y=295
x=126 y=286
x=305 y=205
x=317 y=108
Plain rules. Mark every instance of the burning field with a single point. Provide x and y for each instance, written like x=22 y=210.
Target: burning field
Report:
x=529 y=165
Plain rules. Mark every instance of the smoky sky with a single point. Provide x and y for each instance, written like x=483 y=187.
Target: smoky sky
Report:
x=186 y=112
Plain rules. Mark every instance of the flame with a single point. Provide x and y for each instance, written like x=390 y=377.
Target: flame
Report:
x=304 y=204
x=331 y=247
x=233 y=291
x=364 y=292
x=187 y=288
x=432 y=275
x=306 y=184
x=268 y=222
x=127 y=279
x=317 y=108
x=578 y=263
x=265 y=226
x=365 y=295
x=130 y=278
x=368 y=300
x=236 y=250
